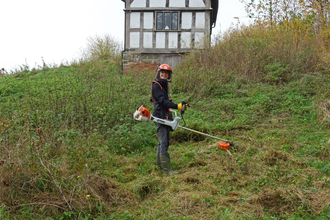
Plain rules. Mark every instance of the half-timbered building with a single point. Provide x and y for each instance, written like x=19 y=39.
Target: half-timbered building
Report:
x=160 y=31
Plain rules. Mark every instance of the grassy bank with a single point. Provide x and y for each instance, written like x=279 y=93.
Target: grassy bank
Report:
x=71 y=150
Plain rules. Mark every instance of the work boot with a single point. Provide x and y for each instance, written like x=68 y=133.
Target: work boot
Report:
x=165 y=163
x=158 y=160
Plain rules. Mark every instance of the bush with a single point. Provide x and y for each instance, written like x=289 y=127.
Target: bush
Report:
x=256 y=53
x=102 y=48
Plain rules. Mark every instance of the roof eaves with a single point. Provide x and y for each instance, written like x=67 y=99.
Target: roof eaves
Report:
x=215 y=7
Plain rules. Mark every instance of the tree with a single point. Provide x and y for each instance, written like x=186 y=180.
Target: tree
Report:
x=101 y=48
x=276 y=11
x=267 y=10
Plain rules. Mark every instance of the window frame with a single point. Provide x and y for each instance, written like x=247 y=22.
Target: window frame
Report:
x=163 y=17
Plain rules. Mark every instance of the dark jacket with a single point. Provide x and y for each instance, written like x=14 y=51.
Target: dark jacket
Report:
x=160 y=99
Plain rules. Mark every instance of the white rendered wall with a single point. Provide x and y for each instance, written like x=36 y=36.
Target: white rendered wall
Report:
x=196 y=3
x=147 y=40
x=199 y=39
x=172 y=40
x=185 y=40
x=139 y=4
x=177 y=3
x=200 y=20
x=148 y=21
x=160 y=40
x=134 y=40
x=186 y=20
x=158 y=3
x=135 y=20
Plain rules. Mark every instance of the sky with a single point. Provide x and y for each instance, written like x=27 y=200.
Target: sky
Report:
x=55 y=31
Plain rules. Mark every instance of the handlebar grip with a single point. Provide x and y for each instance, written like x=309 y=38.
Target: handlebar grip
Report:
x=183 y=103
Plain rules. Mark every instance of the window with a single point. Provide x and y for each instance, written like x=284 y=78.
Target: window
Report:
x=167 y=20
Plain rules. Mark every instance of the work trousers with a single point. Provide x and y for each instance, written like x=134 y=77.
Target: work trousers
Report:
x=163 y=132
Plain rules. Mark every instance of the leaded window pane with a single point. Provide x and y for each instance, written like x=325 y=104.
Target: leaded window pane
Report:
x=159 y=21
x=175 y=21
x=167 y=19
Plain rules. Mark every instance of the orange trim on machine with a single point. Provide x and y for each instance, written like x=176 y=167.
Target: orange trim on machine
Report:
x=144 y=111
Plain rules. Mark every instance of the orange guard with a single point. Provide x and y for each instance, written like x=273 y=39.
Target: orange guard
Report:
x=224 y=145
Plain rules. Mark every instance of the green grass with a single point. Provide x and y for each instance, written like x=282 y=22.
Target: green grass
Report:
x=74 y=124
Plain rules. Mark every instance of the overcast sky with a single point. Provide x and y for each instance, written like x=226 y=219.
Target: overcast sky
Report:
x=56 y=30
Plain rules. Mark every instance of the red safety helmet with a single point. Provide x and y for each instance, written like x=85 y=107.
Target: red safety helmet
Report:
x=164 y=67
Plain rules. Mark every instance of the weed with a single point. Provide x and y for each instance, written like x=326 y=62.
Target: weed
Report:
x=68 y=139
x=123 y=215
x=5 y=215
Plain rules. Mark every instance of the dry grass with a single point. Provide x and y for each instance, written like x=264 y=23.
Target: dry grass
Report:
x=216 y=182
x=279 y=168
x=109 y=192
x=259 y=177
x=325 y=112
x=84 y=193
x=272 y=55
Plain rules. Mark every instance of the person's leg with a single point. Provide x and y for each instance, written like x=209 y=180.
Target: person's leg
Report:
x=159 y=132
x=163 y=138
x=166 y=164
x=158 y=156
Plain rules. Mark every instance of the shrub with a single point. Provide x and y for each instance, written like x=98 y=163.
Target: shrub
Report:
x=103 y=47
x=258 y=53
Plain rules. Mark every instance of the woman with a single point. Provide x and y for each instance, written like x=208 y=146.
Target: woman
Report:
x=162 y=104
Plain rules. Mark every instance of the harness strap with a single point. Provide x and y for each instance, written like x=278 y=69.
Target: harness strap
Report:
x=157 y=83
x=152 y=98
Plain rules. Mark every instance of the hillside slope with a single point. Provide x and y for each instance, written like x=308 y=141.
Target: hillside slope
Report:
x=70 y=148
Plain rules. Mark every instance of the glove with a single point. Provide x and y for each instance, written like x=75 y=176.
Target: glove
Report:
x=183 y=106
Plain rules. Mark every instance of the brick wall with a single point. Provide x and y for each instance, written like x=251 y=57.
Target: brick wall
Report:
x=147 y=62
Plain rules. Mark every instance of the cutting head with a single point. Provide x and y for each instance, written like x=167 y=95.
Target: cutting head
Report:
x=224 y=145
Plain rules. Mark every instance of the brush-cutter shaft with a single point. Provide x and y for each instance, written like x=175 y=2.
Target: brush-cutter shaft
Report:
x=143 y=114
x=198 y=132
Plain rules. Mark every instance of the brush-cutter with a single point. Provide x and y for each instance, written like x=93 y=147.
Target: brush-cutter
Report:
x=143 y=114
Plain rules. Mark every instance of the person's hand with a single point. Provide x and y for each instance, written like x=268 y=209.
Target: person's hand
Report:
x=183 y=106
